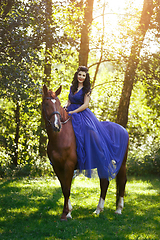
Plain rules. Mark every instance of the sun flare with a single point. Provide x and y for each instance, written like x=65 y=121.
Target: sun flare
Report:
x=116 y=9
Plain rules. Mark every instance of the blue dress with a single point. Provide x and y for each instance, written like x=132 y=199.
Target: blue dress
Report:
x=100 y=145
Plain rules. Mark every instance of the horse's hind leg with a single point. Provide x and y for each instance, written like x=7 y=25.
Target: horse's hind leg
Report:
x=121 y=180
x=104 y=183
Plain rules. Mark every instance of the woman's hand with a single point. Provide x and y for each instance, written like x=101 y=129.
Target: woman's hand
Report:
x=67 y=105
x=71 y=112
x=65 y=108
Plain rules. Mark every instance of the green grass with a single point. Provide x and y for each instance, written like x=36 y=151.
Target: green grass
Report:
x=31 y=209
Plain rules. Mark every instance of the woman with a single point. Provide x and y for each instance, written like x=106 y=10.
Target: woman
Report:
x=100 y=145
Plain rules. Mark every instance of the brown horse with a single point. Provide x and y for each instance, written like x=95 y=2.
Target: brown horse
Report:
x=62 y=153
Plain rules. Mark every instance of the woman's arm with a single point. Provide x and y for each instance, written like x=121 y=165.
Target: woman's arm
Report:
x=83 y=106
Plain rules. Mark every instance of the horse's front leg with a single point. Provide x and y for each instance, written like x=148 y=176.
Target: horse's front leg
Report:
x=67 y=209
x=66 y=186
x=104 y=183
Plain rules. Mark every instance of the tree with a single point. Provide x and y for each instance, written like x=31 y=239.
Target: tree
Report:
x=122 y=114
x=47 y=67
x=48 y=41
x=18 y=56
x=86 y=27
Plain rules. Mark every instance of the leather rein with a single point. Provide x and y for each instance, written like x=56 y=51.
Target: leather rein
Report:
x=53 y=113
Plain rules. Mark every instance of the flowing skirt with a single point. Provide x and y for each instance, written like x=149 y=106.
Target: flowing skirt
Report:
x=100 y=145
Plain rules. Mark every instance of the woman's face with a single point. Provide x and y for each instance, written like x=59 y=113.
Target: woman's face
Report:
x=81 y=76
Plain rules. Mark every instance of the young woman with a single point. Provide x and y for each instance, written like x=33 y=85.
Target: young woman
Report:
x=100 y=145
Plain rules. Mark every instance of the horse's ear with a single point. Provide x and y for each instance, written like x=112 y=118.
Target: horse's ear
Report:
x=58 y=90
x=45 y=89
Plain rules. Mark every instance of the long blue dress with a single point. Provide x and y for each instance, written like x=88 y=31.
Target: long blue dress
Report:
x=100 y=145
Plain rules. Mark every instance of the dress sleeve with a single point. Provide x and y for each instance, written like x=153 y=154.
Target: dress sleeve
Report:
x=69 y=96
x=89 y=93
x=70 y=88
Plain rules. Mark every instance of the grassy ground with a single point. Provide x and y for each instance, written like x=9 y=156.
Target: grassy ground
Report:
x=31 y=209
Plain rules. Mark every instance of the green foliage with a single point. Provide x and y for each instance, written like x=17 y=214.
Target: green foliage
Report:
x=24 y=30
x=143 y=166
x=38 y=168
x=31 y=209
x=144 y=112
x=149 y=73
x=106 y=93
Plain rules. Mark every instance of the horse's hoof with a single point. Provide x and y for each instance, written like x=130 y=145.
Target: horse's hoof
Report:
x=97 y=211
x=63 y=219
x=118 y=211
x=69 y=216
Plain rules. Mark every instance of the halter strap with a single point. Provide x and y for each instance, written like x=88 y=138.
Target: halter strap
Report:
x=66 y=121
x=55 y=112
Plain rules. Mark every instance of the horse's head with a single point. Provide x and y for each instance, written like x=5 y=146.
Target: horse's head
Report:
x=51 y=108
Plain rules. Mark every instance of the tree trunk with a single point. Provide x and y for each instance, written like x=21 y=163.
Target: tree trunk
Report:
x=48 y=40
x=84 y=45
x=122 y=114
x=47 y=70
x=17 y=119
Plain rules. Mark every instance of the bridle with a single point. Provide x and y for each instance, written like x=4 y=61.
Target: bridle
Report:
x=53 y=113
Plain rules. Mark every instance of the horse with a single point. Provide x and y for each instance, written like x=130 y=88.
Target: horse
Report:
x=62 y=154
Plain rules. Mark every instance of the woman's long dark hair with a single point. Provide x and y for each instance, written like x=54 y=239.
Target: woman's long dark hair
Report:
x=86 y=83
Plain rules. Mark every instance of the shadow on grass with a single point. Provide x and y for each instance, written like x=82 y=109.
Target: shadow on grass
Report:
x=32 y=211
x=25 y=212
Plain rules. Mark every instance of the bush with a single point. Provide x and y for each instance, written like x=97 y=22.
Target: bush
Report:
x=137 y=166
x=149 y=164
x=41 y=167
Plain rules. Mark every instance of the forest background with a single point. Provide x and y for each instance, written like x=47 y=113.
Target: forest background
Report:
x=44 y=42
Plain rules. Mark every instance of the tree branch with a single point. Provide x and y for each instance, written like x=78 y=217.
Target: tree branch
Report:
x=7 y=8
